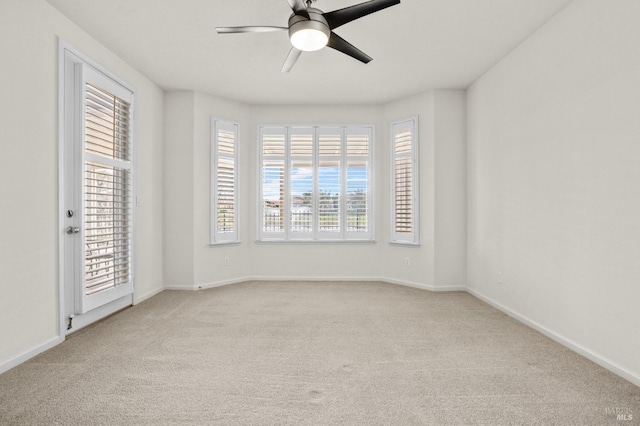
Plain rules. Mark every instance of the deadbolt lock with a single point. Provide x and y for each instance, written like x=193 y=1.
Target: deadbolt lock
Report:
x=72 y=230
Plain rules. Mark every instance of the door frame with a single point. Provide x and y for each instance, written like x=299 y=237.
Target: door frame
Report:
x=65 y=129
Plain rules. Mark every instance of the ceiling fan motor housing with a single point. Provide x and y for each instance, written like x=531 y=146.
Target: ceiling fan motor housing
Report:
x=315 y=22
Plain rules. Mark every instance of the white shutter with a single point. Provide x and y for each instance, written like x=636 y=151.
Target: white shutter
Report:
x=330 y=189
x=358 y=183
x=224 y=182
x=302 y=201
x=107 y=193
x=404 y=197
x=272 y=183
x=107 y=227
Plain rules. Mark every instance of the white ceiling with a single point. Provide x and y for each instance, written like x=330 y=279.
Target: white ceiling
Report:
x=416 y=46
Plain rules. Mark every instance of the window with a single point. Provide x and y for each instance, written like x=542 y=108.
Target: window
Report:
x=315 y=183
x=404 y=182
x=224 y=182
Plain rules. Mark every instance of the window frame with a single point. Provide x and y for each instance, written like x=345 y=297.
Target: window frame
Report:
x=216 y=237
x=410 y=238
x=316 y=235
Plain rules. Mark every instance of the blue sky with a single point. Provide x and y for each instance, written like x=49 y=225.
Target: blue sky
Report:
x=301 y=180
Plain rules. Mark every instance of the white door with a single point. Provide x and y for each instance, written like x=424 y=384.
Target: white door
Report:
x=98 y=190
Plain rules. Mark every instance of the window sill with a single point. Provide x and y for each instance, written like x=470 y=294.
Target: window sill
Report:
x=404 y=244
x=312 y=242
x=225 y=243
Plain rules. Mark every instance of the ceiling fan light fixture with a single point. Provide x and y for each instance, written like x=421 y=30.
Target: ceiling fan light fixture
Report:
x=309 y=39
x=309 y=35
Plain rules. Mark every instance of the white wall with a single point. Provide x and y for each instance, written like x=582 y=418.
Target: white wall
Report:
x=191 y=262
x=421 y=271
x=554 y=194
x=209 y=267
x=29 y=210
x=178 y=189
x=450 y=175
x=439 y=263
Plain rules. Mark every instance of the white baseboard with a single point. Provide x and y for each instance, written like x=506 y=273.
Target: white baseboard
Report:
x=204 y=286
x=435 y=288
x=407 y=283
x=568 y=343
x=148 y=295
x=222 y=283
x=25 y=356
x=450 y=288
x=180 y=287
x=428 y=287
x=308 y=278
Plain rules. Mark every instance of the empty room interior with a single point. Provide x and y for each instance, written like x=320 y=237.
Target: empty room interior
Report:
x=320 y=212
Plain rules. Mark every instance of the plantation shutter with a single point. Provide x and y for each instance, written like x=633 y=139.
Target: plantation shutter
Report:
x=404 y=197
x=330 y=190
x=358 y=179
x=302 y=201
x=272 y=206
x=107 y=191
x=224 y=194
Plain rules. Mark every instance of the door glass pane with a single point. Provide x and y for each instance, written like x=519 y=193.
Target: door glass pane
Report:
x=107 y=192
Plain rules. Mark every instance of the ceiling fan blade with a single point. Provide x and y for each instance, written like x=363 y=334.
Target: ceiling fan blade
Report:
x=299 y=7
x=293 y=56
x=351 y=13
x=254 y=29
x=338 y=43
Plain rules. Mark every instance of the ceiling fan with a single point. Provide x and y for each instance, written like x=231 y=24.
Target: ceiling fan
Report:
x=311 y=29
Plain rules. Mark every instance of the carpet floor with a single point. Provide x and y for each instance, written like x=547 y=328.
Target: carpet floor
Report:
x=312 y=353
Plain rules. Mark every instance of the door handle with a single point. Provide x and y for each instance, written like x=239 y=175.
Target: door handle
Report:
x=72 y=230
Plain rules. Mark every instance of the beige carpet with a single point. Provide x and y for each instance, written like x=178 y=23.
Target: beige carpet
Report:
x=323 y=353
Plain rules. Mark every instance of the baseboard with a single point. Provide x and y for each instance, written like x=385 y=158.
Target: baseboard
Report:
x=204 y=286
x=25 y=356
x=308 y=278
x=568 y=343
x=148 y=295
x=407 y=283
x=429 y=287
x=435 y=288
x=222 y=283
x=180 y=287
x=439 y=288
